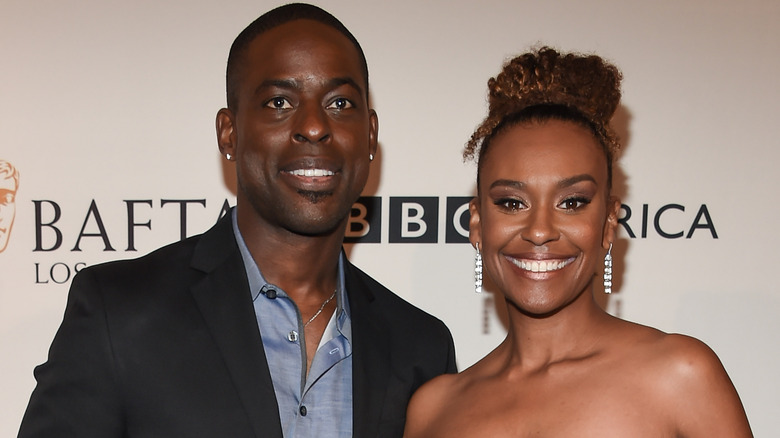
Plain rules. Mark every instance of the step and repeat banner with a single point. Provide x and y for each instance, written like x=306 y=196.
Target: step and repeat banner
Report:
x=108 y=151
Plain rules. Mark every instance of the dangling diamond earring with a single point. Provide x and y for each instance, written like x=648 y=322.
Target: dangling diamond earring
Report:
x=228 y=156
x=608 y=270
x=478 y=271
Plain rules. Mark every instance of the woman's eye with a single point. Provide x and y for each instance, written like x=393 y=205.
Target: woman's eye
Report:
x=340 y=104
x=510 y=204
x=572 y=204
x=279 y=103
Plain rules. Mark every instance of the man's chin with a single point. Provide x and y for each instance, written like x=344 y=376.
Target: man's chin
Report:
x=316 y=228
x=319 y=215
x=314 y=197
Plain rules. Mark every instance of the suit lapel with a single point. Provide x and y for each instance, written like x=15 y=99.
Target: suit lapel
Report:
x=225 y=302
x=370 y=356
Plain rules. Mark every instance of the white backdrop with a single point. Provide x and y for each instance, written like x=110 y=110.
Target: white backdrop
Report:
x=110 y=101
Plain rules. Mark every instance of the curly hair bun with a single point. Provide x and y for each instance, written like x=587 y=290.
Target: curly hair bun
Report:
x=584 y=83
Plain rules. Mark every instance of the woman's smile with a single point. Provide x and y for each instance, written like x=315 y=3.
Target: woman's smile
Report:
x=547 y=265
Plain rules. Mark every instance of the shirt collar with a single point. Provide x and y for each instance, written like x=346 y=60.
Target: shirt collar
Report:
x=258 y=284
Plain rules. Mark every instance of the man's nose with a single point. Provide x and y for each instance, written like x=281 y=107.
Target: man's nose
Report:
x=311 y=124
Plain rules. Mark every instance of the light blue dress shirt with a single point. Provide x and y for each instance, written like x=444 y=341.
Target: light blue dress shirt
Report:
x=320 y=404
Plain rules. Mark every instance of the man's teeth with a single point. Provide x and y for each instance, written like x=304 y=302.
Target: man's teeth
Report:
x=541 y=265
x=311 y=172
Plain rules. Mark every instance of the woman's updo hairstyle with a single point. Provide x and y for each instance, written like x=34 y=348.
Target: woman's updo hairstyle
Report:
x=543 y=85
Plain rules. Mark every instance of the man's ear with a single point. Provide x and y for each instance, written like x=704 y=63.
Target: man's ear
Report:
x=610 y=226
x=475 y=224
x=373 y=132
x=226 y=138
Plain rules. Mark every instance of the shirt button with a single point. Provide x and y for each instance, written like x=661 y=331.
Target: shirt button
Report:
x=292 y=336
x=302 y=410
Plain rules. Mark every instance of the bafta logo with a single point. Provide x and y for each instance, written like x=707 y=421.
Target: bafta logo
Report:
x=9 y=183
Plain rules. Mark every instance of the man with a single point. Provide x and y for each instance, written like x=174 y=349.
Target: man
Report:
x=9 y=183
x=260 y=327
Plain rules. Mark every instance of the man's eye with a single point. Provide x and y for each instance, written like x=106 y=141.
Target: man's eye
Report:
x=340 y=103
x=279 y=103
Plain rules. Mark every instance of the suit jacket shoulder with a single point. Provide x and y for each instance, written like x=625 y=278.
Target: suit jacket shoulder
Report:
x=163 y=345
x=397 y=347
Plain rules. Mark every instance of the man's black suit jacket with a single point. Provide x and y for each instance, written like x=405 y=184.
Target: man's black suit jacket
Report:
x=167 y=345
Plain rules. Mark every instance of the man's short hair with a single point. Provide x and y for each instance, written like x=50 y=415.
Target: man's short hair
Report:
x=269 y=20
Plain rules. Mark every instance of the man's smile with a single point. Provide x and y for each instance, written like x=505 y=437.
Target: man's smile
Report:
x=311 y=172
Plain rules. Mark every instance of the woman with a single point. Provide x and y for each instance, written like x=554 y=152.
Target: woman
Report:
x=543 y=220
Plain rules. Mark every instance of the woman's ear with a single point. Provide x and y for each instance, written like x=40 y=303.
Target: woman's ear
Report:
x=475 y=224
x=610 y=226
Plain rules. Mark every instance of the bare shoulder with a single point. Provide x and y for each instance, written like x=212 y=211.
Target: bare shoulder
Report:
x=437 y=388
x=689 y=379
x=431 y=404
x=673 y=364
x=683 y=360
x=683 y=356
x=445 y=406
x=427 y=402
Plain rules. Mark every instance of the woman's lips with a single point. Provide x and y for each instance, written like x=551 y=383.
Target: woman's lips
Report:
x=546 y=265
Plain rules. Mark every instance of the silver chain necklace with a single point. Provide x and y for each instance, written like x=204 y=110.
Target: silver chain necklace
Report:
x=316 y=314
